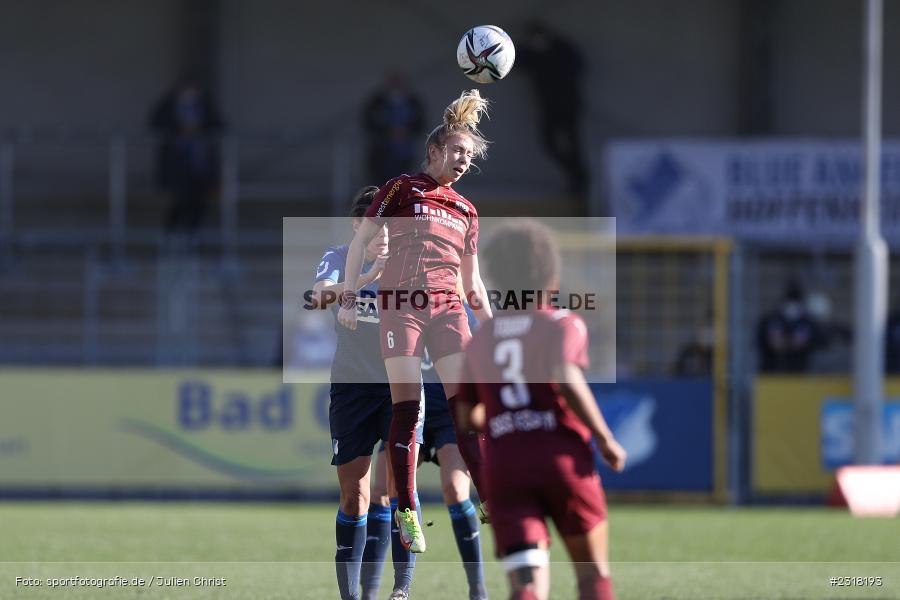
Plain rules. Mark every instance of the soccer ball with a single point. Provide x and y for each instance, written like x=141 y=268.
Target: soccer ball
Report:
x=485 y=54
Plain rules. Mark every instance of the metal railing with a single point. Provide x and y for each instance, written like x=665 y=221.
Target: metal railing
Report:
x=244 y=161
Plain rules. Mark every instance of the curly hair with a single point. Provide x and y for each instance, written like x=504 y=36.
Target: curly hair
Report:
x=522 y=255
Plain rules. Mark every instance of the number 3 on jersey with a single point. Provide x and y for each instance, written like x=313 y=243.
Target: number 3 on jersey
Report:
x=515 y=394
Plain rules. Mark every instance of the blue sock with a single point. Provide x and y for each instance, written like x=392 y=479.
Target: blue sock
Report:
x=350 y=534
x=464 y=519
x=404 y=560
x=378 y=540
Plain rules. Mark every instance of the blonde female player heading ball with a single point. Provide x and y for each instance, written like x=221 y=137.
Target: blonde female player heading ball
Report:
x=434 y=241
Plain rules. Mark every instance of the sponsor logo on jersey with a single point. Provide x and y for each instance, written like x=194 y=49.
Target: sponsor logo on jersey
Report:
x=366 y=310
x=388 y=197
x=424 y=212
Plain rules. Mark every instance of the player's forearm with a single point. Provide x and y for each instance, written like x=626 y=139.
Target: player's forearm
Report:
x=355 y=254
x=478 y=300
x=581 y=400
x=470 y=416
x=322 y=300
x=585 y=408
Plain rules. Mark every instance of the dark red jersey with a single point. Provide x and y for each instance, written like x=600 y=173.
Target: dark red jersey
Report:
x=508 y=367
x=431 y=227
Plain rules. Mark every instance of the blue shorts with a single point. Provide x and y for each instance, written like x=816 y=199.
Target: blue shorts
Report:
x=359 y=415
x=439 y=429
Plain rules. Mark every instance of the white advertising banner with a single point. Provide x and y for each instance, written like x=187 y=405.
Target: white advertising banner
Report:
x=797 y=190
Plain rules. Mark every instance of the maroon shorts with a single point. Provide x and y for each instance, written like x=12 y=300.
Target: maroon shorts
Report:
x=408 y=328
x=519 y=506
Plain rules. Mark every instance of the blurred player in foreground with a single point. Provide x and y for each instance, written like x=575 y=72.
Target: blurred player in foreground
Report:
x=523 y=383
x=359 y=415
x=434 y=239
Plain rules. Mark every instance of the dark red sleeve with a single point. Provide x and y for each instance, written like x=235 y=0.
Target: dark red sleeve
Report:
x=388 y=198
x=573 y=341
x=471 y=245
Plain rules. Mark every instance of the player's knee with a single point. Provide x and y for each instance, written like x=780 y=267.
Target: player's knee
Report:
x=454 y=492
x=522 y=567
x=523 y=560
x=355 y=501
x=450 y=494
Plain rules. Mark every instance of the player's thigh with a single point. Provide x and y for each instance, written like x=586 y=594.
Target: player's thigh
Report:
x=449 y=369
x=405 y=376
x=454 y=476
x=517 y=515
x=575 y=502
x=578 y=506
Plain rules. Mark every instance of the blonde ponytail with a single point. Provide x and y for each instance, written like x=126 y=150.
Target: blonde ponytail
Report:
x=462 y=116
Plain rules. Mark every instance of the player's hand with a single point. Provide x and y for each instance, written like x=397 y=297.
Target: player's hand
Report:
x=614 y=454
x=378 y=265
x=347 y=317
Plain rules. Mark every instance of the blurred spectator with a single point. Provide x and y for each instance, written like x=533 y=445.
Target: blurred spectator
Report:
x=788 y=336
x=892 y=342
x=555 y=67
x=313 y=341
x=695 y=358
x=393 y=119
x=187 y=162
x=830 y=356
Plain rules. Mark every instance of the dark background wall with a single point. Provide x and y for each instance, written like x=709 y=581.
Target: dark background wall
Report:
x=654 y=67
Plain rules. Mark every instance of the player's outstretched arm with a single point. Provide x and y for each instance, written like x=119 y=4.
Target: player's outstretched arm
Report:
x=580 y=399
x=474 y=288
x=355 y=255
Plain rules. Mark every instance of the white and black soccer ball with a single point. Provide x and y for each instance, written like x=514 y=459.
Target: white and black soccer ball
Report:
x=486 y=54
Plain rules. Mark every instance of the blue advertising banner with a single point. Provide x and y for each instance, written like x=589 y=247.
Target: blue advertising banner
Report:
x=765 y=189
x=666 y=426
x=836 y=422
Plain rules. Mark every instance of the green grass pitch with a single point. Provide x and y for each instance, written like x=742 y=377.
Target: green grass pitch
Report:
x=286 y=551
